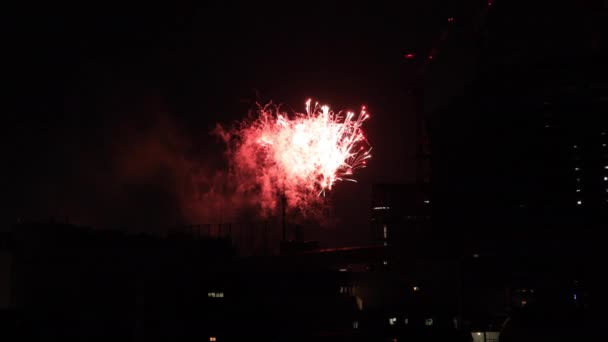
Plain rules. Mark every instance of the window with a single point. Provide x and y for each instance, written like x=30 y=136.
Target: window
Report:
x=406 y=321
x=416 y=288
x=392 y=320
x=428 y=322
x=385 y=232
x=578 y=190
x=212 y=339
x=579 y=202
x=215 y=294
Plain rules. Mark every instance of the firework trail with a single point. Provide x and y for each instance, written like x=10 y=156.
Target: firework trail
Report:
x=301 y=157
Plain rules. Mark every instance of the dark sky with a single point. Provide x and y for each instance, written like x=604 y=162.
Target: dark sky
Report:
x=110 y=108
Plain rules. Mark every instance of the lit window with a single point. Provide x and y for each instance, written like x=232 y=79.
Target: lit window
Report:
x=577 y=168
x=427 y=201
x=524 y=302
x=385 y=262
x=392 y=320
x=604 y=145
x=579 y=202
x=578 y=190
x=343 y=270
x=578 y=179
x=575 y=146
x=215 y=294
x=428 y=321
x=547 y=126
x=355 y=324
x=406 y=321
x=212 y=339
x=574 y=297
x=475 y=255
x=381 y=208
x=385 y=231
x=385 y=244
x=416 y=288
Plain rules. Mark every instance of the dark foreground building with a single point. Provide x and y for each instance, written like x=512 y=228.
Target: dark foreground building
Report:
x=72 y=284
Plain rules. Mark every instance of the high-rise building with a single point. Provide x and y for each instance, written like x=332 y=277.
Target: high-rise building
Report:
x=400 y=212
x=522 y=151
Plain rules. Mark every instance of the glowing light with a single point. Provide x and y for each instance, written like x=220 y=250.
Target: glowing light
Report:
x=579 y=202
x=300 y=157
x=409 y=55
x=416 y=288
x=212 y=339
x=451 y=19
x=381 y=208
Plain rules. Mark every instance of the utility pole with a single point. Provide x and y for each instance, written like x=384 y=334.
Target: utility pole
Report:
x=283 y=214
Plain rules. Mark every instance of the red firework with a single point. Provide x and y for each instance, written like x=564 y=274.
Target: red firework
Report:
x=302 y=156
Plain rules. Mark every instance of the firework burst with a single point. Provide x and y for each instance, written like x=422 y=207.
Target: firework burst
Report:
x=302 y=156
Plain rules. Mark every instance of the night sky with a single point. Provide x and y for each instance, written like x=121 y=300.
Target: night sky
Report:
x=110 y=108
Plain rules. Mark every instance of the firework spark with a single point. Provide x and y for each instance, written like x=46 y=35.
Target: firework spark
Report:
x=302 y=156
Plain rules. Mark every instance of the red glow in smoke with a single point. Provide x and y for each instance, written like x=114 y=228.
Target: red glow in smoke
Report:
x=302 y=156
